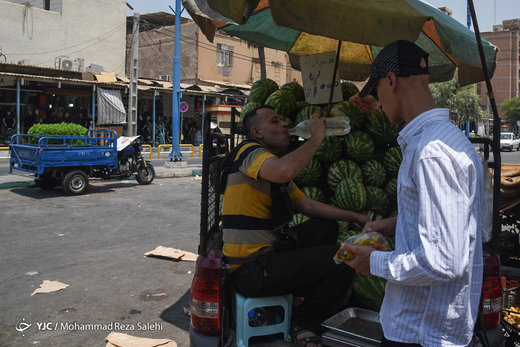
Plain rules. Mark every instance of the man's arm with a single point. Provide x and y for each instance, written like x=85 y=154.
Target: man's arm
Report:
x=313 y=208
x=286 y=168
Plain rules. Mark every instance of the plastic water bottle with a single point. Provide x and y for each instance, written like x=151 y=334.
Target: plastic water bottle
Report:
x=257 y=317
x=335 y=126
x=260 y=316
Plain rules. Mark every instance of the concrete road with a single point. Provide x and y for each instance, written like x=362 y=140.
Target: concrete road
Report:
x=95 y=243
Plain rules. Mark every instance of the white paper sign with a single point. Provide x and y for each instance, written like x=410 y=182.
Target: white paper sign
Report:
x=317 y=70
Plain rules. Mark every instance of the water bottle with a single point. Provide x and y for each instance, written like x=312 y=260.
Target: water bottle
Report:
x=257 y=317
x=335 y=126
x=260 y=316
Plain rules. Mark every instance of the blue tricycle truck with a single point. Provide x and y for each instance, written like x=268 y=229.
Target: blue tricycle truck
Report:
x=70 y=160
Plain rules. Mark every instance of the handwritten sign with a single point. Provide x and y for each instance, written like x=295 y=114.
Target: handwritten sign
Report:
x=317 y=70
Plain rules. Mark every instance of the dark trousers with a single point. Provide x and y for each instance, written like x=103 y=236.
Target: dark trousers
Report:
x=308 y=271
x=388 y=343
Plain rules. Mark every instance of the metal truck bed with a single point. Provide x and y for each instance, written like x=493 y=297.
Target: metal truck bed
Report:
x=36 y=153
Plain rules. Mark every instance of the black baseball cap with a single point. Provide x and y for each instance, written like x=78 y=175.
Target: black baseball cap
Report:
x=401 y=57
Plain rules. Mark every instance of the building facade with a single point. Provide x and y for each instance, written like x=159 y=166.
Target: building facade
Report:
x=227 y=60
x=66 y=34
x=506 y=80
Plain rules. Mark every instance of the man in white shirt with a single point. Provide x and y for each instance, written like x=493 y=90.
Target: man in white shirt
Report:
x=435 y=273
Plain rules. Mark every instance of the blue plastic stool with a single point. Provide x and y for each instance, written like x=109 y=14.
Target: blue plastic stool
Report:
x=241 y=307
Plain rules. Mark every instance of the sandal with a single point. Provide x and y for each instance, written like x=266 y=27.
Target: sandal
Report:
x=308 y=337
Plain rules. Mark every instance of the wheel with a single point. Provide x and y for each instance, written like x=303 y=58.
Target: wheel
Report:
x=47 y=183
x=145 y=175
x=75 y=182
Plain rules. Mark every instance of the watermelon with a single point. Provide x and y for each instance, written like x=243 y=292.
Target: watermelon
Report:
x=350 y=110
x=283 y=102
x=306 y=112
x=299 y=218
x=350 y=195
x=310 y=175
x=393 y=159
x=348 y=90
x=248 y=107
x=377 y=200
x=374 y=173
x=329 y=150
x=391 y=189
x=261 y=89
x=296 y=89
x=342 y=226
x=391 y=241
x=382 y=131
x=315 y=193
x=345 y=235
x=369 y=291
x=300 y=105
x=342 y=169
x=359 y=146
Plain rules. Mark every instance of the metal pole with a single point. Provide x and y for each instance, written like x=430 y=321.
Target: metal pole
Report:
x=334 y=77
x=469 y=27
x=94 y=107
x=18 y=82
x=203 y=116
x=497 y=160
x=175 y=153
x=153 y=116
x=131 y=129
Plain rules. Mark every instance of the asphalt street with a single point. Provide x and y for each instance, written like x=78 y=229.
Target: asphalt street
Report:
x=95 y=243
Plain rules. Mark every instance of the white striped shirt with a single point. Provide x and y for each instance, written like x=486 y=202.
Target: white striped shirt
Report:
x=435 y=273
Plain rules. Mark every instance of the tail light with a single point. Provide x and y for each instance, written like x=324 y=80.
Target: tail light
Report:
x=206 y=294
x=491 y=291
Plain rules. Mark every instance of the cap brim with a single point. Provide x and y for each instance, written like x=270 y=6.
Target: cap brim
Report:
x=368 y=87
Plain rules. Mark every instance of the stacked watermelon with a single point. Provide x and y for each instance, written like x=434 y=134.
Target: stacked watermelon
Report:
x=356 y=172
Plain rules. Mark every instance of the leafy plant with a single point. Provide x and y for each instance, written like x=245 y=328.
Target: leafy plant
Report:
x=511 y=109
x=56 y=129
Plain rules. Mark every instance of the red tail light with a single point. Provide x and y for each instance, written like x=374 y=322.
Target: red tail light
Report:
x=206 y=294
x=491 y=291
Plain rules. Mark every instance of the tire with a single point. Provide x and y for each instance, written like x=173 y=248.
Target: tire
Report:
x=47 y=183
x=75 y=182
x=145 y=175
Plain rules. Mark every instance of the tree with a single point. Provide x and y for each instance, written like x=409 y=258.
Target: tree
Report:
x=511 y=109
x=463 y=102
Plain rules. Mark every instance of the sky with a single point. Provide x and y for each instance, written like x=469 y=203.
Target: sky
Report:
x=489 y=12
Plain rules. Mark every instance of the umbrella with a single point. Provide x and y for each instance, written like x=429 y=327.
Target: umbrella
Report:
x=304 y=27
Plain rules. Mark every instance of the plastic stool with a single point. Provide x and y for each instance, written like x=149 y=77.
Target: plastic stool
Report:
x=242 y=305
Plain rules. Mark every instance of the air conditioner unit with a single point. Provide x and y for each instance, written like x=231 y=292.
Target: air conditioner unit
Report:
x=79 y=64
x=66 y=64
x=167 y=78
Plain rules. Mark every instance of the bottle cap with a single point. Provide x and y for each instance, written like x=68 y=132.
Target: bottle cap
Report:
x=251 y=314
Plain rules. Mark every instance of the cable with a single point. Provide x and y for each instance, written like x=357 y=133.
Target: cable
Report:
x=100 y=37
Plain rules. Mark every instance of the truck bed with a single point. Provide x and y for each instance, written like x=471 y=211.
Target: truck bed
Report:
x=52 y=151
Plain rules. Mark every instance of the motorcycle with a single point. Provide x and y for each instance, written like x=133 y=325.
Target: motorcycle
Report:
x=131 y=161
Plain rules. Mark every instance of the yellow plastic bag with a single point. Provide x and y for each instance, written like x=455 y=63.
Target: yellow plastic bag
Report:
x=375 y=239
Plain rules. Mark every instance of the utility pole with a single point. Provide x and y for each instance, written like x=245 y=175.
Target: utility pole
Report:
x=131 y=129
x=175 y=154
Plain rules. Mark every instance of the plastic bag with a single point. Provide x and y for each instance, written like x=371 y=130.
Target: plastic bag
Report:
x=375 y=239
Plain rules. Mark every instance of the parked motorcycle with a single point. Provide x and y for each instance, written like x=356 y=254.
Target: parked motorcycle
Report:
x=131 y=161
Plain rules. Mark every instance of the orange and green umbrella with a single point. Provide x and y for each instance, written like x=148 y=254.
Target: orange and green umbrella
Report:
x=364 y=27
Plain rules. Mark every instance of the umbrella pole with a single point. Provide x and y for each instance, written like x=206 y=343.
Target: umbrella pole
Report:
x=496 y=136
x=334 y=77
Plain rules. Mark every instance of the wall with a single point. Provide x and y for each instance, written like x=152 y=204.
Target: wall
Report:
x=244 y=70
x=92 y=30
x=156 y=50
x=505 y=81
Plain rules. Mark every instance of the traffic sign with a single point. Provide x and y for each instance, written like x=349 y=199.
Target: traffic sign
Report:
x=183 y=106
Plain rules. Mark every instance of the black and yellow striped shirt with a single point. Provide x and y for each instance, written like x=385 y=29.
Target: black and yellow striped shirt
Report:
x=246 y=207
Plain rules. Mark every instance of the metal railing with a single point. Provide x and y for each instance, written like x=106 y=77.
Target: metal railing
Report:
x=169 y=146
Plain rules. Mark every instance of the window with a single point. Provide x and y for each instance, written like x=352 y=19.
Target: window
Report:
x=224 y=55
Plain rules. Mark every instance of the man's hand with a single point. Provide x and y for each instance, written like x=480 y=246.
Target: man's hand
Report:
x=361 y=263
x=317 y=126
x=385 y=227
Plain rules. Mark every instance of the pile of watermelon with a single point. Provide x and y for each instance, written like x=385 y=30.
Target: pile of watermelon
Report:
x=357 y=172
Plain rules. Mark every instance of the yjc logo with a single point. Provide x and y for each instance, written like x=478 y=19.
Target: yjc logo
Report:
x=21 y=326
